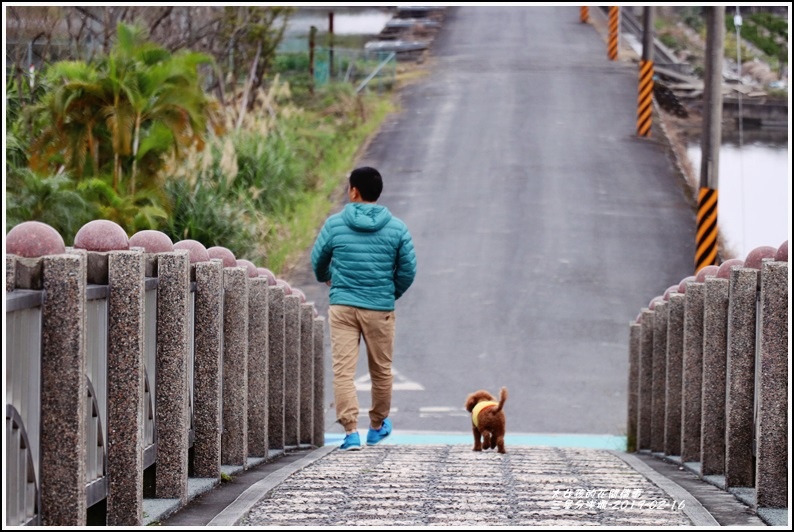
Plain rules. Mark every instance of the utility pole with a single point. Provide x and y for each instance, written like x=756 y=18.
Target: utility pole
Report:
x=645 y=96
x=706 y=253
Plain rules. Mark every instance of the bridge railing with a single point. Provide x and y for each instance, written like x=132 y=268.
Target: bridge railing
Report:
x=133 y=375
x=708 y=377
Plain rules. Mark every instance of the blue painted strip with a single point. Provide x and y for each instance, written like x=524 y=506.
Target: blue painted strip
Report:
x=580 y=441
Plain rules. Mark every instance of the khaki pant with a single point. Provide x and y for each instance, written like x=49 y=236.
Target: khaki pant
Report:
x=348 y=325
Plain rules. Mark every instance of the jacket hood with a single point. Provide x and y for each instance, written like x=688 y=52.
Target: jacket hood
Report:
x=366 y=217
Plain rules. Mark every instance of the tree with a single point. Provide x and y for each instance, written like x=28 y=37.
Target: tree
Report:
x=138 y=101
x=164 y=93
x=252 y=32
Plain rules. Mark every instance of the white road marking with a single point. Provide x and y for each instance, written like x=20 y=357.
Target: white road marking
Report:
x=400 y=383
x=442 y=411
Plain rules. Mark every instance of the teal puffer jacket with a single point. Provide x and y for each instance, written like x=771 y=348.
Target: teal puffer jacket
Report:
x=367 y=254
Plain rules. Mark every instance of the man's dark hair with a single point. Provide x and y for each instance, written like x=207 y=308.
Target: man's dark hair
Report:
x=368 y=182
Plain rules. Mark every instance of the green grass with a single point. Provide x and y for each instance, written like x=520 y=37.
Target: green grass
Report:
x=298 y=228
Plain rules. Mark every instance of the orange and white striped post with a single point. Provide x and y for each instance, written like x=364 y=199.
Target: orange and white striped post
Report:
x=584 y=14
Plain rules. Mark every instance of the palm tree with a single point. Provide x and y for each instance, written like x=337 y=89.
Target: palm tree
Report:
x=141 y=100
x=169 y=109
x=70 y=114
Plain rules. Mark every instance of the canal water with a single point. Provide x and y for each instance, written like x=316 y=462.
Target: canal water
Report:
x=358 y=22
x=754 y=193
x=347 y=20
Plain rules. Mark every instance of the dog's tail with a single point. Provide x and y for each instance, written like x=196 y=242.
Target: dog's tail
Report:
x=502 y=399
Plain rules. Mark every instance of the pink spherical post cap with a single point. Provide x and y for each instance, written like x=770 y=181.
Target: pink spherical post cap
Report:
x=101 y=235
x=225 y=254
x=706 y=270
x=782 y=252
x=198 y=253
x=683 y=283
x=754 y=259
x=249 y=266
x=34 y=239
x=284 y=286
x=152 y=241
x=724 y=271
x=671 y=290
x=299 y=293
x=270 y=276
x=653 y=302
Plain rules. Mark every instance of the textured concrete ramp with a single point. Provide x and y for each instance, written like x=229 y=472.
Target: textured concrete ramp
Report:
x=449 y=485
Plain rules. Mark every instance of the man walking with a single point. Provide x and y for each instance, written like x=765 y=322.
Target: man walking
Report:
x=367 y=257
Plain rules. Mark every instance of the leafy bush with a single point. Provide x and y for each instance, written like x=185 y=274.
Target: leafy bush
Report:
x=200 y=213
x=765 y=30
x=52 y=200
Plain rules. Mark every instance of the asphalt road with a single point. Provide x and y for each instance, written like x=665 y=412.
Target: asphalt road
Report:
x=542 y=225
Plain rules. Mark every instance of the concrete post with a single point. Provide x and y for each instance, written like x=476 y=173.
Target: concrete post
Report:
x=306 y=373
x=318 y=426
x=275 y=427
x=692 y=378
x=125 y=407
x=715 y=338
x=234 y=436
x=675 y=361
x=257 y=366
x=740 y=378
x=63 y=392
x=645 y=388
x=772 y=485
x=659 y=382
x=292 y=336
x=10 y=272
x=635 y=332
x=207 y=387
x=173 y=311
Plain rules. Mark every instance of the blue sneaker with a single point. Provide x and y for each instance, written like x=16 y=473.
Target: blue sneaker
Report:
x=376 y=436
x=352 y=442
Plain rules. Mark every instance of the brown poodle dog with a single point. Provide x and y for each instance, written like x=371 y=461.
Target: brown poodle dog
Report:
x=487 y=419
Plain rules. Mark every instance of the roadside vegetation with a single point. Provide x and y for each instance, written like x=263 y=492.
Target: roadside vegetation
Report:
x=763 y=34
x=243 y=151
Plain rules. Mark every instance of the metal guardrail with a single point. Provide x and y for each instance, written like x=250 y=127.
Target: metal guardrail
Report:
x=23 y=368
x=663 y=57
x=391 y=58
x=96 y=383
x=345 y=65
